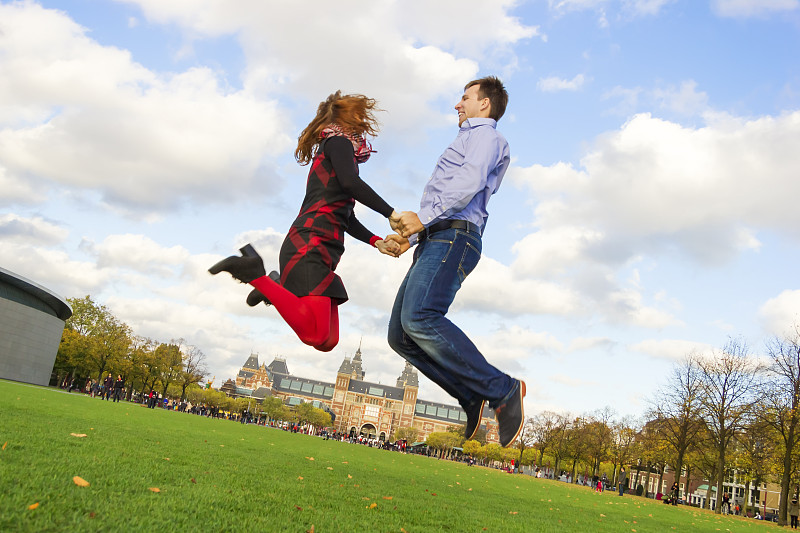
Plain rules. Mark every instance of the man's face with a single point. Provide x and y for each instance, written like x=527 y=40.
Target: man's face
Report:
x=471 y=105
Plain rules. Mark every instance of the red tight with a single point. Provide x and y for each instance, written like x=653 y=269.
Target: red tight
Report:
x=315 y=319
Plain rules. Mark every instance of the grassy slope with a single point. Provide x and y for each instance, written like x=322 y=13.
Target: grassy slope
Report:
x=217 y=475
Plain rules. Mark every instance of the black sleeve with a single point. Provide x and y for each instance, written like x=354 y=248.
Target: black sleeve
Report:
x=342 y=156
x=357 y=229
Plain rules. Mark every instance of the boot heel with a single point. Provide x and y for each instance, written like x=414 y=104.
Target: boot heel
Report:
x=248 y=250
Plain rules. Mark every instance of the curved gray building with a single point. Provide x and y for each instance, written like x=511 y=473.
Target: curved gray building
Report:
x=31 y=323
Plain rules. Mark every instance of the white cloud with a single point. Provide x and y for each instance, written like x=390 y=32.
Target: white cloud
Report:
x=35 y=230
x=86 y=116
x=554 y=84
x=752 y=8
x=781 y=314
x=671 y=349
x=655 y=184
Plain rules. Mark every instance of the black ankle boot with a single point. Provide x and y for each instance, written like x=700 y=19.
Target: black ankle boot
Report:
x=245 y=268
x=256 y=296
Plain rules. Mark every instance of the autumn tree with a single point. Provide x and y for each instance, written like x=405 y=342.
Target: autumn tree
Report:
x=543 y=428
x=598 y=435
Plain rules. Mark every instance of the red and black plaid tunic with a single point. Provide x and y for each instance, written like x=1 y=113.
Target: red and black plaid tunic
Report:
x=315 y=242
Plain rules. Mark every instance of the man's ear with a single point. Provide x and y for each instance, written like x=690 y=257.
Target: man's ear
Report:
x=485 y=104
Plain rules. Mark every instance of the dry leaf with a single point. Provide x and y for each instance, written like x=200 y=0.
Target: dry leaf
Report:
x=387 y=497
x=154 y=489
x=513 y=512
x=298 y=507
x=310 y=530
x=80 y=481
x=4 y=444
x=33 y=506
x=349 y=476
x=300 y=478
x=310 y=458
x=193 y=481
x=79 y=434
x=373 y=505
x=330 y=468
x=166 y=458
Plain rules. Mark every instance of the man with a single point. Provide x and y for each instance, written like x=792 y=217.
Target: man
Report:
x=118 y=386
x=623 y=480
x=447 y=233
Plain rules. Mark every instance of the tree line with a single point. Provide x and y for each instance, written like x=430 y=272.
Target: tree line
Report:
x=95 y=343
x=730 y=411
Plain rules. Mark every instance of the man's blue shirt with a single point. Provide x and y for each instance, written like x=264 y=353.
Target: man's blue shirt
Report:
x=467 y=174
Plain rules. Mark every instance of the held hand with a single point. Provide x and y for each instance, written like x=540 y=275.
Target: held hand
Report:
x=409 y=224
x=394 y=220
x=388 y=247
x=402 y=242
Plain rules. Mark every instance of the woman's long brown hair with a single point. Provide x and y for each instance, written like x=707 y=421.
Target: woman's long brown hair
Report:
x=354 y=113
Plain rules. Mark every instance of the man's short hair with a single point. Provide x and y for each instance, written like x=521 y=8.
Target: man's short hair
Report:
x=492 y=88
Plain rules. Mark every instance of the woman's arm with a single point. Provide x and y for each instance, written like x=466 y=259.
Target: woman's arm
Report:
x=339 y=151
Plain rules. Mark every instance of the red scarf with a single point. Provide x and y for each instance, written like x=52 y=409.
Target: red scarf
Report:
x=361 y=147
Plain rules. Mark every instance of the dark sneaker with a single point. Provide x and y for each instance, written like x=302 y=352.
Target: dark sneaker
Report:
x=474 y=420
x=511 y=416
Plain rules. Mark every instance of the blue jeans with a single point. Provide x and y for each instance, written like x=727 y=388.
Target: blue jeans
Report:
x=421 y=334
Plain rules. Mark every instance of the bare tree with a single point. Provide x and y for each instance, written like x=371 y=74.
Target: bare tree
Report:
x=623 y=444
x=781 y=405
x=726 y=398
x=676 y=412
x=194 y=368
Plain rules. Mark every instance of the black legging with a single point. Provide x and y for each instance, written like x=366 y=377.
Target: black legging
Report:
x=794 y=521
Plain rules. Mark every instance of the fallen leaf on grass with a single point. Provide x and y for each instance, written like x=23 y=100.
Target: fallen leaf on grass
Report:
x=310 y=530
x=4 y=444
x=80 y=481
x=387 y=497
x=33 y=506
x=166 y=458
x=79 y=434
x=193 y=480
x=513 y=512
x=349 y=476
x=298 y=507
x=365 y=498
x=373 y=505
x=330 y=468
x=154 y=489
x=310 y=458
x=300 y=478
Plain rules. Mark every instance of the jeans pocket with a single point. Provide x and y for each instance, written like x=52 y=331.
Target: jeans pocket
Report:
x=469 y=260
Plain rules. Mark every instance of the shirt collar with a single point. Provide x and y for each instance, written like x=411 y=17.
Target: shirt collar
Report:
x=478 y=121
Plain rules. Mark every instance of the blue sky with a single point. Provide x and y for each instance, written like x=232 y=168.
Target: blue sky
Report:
x=650 y=210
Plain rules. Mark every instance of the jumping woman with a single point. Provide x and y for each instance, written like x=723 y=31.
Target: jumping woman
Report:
x=307 y=292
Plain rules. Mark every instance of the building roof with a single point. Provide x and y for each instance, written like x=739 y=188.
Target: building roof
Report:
x=440 y=411
x=252 y=362
x=278 y=366
x=34 y=295
x=375 y=389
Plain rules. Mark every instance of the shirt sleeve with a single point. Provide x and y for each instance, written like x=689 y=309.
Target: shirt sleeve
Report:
x=357 y=229
x=342 y=156
x=480 y=156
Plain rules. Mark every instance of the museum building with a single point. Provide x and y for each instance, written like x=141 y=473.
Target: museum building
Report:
x=359 y=407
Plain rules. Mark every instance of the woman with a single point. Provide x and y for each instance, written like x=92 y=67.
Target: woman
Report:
x=307 y=292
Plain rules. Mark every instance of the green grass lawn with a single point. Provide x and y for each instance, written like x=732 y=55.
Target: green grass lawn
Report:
x=217 y=475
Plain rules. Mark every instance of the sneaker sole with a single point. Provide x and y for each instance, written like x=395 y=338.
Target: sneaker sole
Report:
x=522 y=410
x=483 y=405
